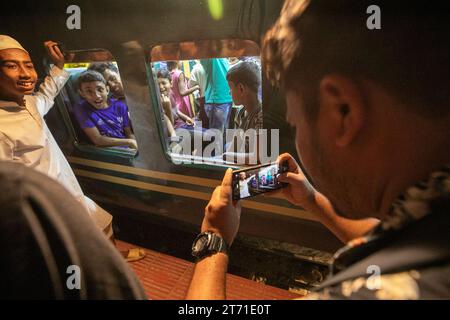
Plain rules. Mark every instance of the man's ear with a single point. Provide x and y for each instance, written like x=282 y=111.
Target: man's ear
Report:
x=343 y=106
x=107 y=88
x=240 y=87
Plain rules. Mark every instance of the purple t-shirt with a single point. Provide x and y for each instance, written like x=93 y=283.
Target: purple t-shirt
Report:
x=110 y=122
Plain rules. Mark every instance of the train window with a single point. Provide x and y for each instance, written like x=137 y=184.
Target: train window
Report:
x=209 y=97
x=96 y=106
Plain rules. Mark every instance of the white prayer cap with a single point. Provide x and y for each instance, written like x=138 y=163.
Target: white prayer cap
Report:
x=6 y=42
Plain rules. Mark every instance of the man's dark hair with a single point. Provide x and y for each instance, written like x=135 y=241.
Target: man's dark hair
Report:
x=102 y=66
x=172 y=64
x=164 y=74
x=246 y=73
x=89 y=76
x=408 y=56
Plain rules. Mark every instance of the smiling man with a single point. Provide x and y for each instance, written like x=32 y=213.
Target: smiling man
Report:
x=372 y=120
x=24 y=135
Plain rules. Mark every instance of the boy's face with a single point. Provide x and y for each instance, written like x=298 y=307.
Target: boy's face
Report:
x=164 y=86
x=237 y=92
x=95 y=93
x=17 y=74
x=114 y=82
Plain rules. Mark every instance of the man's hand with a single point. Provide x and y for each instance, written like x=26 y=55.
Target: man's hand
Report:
x=222 y=216
x=165 y=101
x=55 y=54
x=132 y=143
x=299 y=191
x=190 y=122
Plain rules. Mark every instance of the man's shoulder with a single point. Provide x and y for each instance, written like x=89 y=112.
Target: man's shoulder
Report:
x=118 y=104
x=413 y=263
x=82 y=109
x=430 y=282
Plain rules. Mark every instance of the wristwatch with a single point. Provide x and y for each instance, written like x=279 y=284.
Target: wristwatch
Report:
x=208 y=243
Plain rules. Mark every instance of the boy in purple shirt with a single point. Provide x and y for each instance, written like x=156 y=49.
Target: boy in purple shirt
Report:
x=104 y=120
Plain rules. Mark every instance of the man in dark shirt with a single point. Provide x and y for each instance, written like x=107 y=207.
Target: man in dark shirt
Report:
x=370 y=108
x=50 y=248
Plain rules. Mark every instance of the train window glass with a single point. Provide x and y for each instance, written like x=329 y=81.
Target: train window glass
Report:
x=209 y=97
x=96 y=106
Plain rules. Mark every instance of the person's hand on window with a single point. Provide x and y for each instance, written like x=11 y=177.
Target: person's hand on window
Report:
x=132 y=144
x=55 y=54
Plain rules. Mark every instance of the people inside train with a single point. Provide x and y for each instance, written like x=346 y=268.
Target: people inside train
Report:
x=180 y=88
x=244 y=80
x=171 y=110
x=110 y=72
x=217 y=93
x=179 y=125
x=198 y=77
x=24 y=135
x=370 y=108
x=105 y=120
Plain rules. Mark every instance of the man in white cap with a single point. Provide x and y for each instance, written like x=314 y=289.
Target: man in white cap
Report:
x=24 y=135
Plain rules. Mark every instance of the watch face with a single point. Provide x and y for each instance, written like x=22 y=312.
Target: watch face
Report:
x=200 y=244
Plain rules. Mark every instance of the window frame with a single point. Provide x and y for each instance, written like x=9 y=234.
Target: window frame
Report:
x=64 y=96
x=213 y=164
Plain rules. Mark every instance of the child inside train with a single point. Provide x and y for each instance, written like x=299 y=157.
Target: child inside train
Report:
x=104 y=119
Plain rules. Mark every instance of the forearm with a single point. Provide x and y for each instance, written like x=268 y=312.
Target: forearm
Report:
x=344 y=229
x=50 y=88
x=209 y=279
x=170 y=129
x=183 y=117
x=185 y=92
x=103 y=141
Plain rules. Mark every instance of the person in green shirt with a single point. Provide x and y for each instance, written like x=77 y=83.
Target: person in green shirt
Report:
x=217 y=93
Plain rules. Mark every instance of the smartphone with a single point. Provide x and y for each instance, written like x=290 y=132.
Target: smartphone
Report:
x=249 y=182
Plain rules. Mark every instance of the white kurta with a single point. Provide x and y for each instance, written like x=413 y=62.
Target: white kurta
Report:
x=25 y=137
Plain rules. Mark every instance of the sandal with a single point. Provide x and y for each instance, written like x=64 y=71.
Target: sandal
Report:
x=133 y=255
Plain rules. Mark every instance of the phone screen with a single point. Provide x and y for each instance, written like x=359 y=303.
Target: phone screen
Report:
x=252 y=181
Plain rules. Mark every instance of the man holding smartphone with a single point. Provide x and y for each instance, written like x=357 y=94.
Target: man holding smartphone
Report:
x=372 y=123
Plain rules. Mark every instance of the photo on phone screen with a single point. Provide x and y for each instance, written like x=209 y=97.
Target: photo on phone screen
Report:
x=252 y=181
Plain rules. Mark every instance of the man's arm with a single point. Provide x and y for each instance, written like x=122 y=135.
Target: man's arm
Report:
x=129 y=134
x=103 y=141
x=54 y=82
x=209 y=279
x=186 y=118
x=181 y=87
x=222 y=217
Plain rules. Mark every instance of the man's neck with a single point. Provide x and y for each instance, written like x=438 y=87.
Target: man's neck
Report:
x=425 y=154
x=19 y=100
x=252 y=104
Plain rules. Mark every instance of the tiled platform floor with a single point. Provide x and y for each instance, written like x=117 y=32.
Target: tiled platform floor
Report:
x=167 y=278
